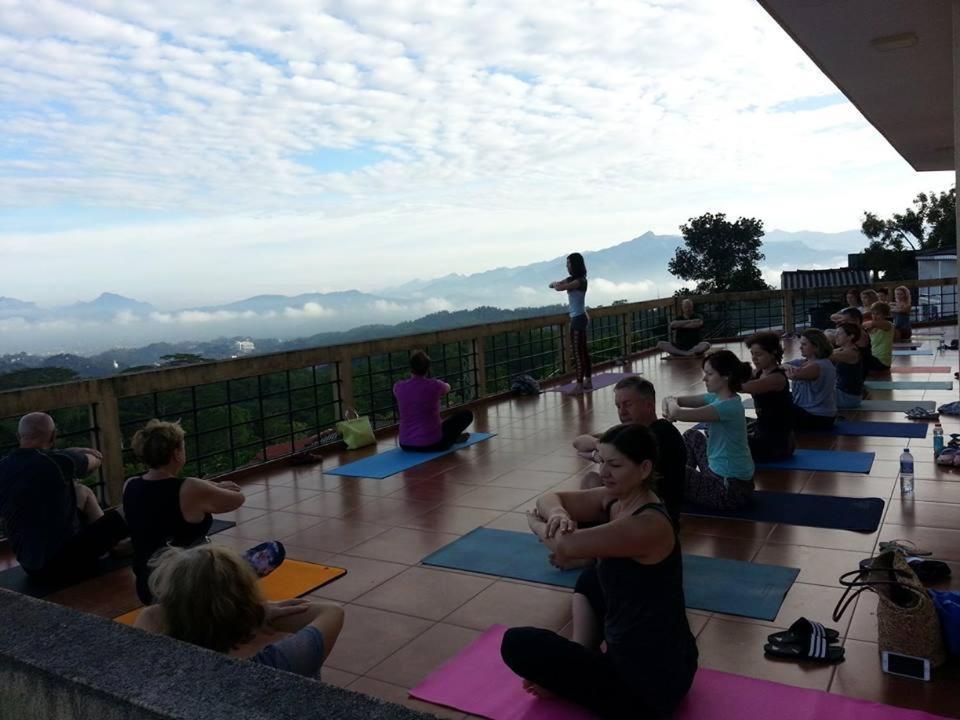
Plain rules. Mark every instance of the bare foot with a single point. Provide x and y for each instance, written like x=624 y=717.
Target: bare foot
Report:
x=538 y=691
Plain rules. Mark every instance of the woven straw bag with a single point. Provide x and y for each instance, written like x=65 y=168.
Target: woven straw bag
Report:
x=907 y=622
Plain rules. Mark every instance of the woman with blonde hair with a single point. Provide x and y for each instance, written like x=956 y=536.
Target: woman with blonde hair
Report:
x=208 y=596
x=164 y=509
x=901 y=309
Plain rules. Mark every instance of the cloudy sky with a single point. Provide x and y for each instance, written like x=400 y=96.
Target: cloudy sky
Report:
x=204 y=151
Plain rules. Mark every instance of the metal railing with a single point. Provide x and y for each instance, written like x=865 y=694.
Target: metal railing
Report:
x=250 y=410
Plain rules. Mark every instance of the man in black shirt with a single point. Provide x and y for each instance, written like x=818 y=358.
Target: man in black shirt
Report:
x=687 y=333
x=56 y=527
x=636 y=400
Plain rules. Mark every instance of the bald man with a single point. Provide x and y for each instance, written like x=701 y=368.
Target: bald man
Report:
x=56 y=527
x=687 y=331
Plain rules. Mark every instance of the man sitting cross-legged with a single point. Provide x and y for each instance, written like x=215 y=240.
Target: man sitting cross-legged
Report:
x=636 y=401
x=55 y=524
x=687 y=333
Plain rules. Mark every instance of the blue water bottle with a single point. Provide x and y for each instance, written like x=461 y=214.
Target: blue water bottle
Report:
x=937 y=440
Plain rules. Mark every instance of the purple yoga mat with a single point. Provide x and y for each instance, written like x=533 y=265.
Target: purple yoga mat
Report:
x=477 y=682
x=599 y=381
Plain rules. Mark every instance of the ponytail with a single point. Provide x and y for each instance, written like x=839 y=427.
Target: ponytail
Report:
x=728 y=365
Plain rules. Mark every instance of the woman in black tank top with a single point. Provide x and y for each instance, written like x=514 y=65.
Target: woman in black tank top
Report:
x=631 y=598
x=164 y=509
x=771 y=435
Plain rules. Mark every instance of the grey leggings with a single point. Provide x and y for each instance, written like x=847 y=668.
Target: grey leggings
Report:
x=703 y=486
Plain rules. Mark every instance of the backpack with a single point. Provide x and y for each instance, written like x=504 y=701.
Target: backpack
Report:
x=525 y=385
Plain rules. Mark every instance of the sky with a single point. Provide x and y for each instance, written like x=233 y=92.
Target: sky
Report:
x=189 y=153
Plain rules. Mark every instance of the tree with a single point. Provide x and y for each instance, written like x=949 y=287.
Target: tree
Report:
x=720 y=255
x=182 y=359
x=931 y=223
x=28 y=377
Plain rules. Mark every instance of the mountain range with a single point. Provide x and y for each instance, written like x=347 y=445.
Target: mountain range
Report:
x=632 y=270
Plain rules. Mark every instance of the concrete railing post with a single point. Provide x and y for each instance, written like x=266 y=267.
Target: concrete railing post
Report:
x=107 y=413
x=344 y=388
x=789 y=324
x=480 y=366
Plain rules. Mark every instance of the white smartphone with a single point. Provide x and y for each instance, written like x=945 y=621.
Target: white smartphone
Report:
x=906 y=666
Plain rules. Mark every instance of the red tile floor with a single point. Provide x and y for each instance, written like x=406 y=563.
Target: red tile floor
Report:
x=404 y=620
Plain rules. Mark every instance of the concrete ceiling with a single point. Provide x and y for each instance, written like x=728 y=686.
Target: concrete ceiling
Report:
x=906 y=93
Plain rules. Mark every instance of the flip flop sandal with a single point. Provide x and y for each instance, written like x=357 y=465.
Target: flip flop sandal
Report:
x=905 y=547
x=952 y=408
x=919 y=413
x=949 y=457
x=800 y=632
x=929 y=571
x=817 y=650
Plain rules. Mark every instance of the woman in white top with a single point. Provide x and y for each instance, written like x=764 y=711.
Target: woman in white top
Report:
x=575 y=285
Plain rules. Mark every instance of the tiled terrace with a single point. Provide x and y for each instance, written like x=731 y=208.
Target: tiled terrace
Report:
x=403 y=620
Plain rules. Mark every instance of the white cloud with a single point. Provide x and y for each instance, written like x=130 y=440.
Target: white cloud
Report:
x=309 y=310
x=386 y=306
x=435 y=304
x=609 y=290
x=125 y=317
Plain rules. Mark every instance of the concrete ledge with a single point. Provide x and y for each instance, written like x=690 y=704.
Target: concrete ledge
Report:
x=58 y=663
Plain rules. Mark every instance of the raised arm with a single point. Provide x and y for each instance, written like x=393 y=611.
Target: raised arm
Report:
x=564 y=285
x=648 y=537
x=808 y=371
x=586 y=446
x=845 y=355
x=772 y=382
x=210 y=497
x=580 y=506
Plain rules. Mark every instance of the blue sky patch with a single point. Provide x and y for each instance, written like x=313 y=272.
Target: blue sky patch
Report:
x=330 y=160
x=816 y=102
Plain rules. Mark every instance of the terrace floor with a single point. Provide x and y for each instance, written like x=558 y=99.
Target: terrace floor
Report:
x=404 y=620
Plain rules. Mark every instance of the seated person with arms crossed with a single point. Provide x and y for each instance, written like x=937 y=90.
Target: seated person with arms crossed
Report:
x=687 y=333
x=631 y=599
x=848 y=359
x=418 y=401
x=164 y=509
x=771 y=434
x=56 y=527
x=719 y=467
x=636 y=401
x=814 y=383
x=881 y=332
x=208 y=596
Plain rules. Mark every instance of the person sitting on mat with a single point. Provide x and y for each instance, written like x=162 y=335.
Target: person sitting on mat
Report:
x=881 y=338
x=719 y=467
x=848 y=359
x=575 y=285
x=164 y=509
x=687 y=333
x=814 y=380
x=636 y=401
x=902 y=307
x=631 y=598
x=418 y=401
x=209 y=596
x=771 y=435
x=56 y=527
x=852 y=299
x=867 y=298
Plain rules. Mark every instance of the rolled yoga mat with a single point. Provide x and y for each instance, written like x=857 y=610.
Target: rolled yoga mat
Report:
x=17 y=580
x=383 y=465
x=292 y=579
x=599 y=381
x=909 y=384
x=477 y=681
x=823 y=511
x=825 y=460
x=733 y=587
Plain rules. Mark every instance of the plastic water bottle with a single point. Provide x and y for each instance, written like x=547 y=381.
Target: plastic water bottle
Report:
x=937 y=440
x=906 y=473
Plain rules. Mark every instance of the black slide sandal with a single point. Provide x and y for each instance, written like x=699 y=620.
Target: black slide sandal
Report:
x=800 y=632
x=818 y=650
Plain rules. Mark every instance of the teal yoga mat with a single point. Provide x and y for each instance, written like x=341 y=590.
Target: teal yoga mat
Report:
x=712 y=584
x=383 y=465
x=909 y=384
x=877 y=405
x=923 y=351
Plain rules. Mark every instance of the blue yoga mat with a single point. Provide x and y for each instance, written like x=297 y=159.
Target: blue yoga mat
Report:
x=712 y=584
x=909 y=384
x=827 y=460
x=385 y=464
x=879 y=429
x=824 y=511
x=923 y=351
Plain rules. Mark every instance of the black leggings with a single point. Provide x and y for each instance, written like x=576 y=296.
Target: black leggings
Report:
x=874 y=365
x=769 y=447
x=450 y=430
x=802 y=420
x=581 y=355
x=78 y=557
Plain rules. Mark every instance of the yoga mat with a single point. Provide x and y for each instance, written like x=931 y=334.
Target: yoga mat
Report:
x=827 y=460
x=712 y=584
x=909 y=384
x=599 y=381
x=476 y=681
x=924 y=351
x=383 y=465
x=824 y=511
x=919 y=369
x=865 y=428
x=17 y=580
x=878 y=405
x=293 y=578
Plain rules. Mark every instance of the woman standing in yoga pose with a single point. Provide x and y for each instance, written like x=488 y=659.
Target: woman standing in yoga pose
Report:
x=631 y=598
x=771 y=434
x=575 y=285
x=814 y=383
x=719 y=467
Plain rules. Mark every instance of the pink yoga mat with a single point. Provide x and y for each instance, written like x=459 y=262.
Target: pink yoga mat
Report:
x=477 y=682
x=599 y=381
x=919 y=369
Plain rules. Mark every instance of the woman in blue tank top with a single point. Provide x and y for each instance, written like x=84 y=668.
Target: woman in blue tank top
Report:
x=631 y=598
x=575 y=285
